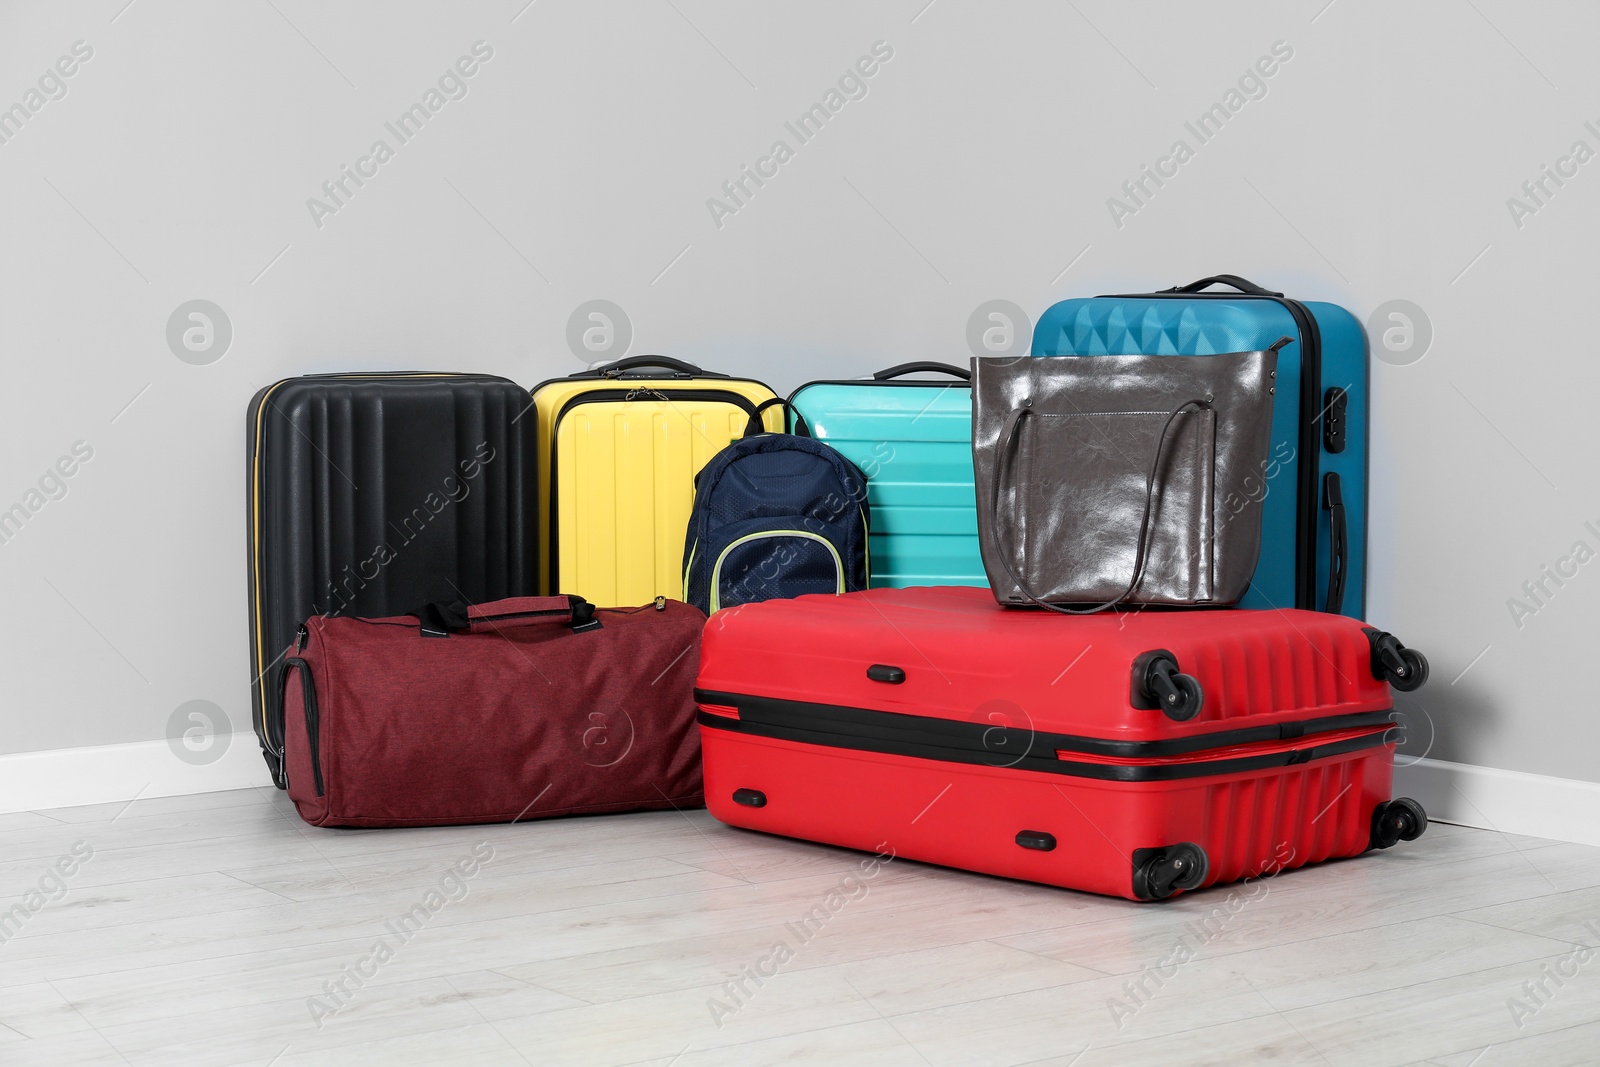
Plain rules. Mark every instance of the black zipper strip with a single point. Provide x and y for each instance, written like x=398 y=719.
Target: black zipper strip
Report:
x=1308 y=504
x=603 y=396
x=1110 y=772
x=308 y=697
x=845 y=723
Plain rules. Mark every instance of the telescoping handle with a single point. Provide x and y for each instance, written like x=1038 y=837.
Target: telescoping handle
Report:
x=677 y=366
x=442 y=620
x=922 y=367
x=1338 y=544
x=1244 y=285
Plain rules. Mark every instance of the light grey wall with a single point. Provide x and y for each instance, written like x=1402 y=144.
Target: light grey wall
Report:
x=578 y=166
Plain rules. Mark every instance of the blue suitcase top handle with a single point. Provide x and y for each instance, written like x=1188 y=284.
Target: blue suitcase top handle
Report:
x=1244 y=285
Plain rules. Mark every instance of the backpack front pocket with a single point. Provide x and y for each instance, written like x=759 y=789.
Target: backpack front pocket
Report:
x=772 y=563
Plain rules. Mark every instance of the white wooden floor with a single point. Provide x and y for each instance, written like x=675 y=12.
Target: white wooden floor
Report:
x=209 y=929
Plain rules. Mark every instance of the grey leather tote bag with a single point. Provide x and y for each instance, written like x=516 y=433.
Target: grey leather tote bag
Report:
x=1105 y=481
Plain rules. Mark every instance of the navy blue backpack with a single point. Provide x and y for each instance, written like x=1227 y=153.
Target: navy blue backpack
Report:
x=775 y=515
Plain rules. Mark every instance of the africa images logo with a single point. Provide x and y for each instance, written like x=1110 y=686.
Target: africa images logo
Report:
x=1252 y=85
x=852 y=85
x=452 y=85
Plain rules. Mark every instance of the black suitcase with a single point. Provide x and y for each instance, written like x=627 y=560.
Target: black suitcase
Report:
x=373 y=494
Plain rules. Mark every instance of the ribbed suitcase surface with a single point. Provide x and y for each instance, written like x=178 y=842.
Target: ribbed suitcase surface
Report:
x=618 y=453
x=965 y=658
x=373 y=494
x=1033 y=745
x=913 y=439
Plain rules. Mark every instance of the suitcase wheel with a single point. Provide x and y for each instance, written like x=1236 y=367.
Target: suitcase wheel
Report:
x=1404 y=668
x=1401 y=819
x=1158 y=873
x=1157 y=683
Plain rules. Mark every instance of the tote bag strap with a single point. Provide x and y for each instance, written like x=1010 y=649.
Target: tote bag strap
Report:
x=1003 y=463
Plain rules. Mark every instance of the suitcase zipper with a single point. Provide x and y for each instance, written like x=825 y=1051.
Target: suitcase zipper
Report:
x=255 y=562
x=716 y=568
x=602 y=396
x=844 y=722
x=1003 y=755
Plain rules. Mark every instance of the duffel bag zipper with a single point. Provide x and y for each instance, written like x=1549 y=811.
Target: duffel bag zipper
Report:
x=308 y=698
x=716 y=569
x=658 y=604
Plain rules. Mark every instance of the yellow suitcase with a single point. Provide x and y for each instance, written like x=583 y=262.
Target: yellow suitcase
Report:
x=619 y=447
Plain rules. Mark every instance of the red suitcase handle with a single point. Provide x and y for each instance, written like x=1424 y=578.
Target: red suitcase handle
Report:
x=441 y=620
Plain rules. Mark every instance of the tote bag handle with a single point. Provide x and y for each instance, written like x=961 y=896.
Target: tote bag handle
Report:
x=1003 y=462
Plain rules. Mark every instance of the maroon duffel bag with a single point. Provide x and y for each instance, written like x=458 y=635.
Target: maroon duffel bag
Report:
x=517 y=709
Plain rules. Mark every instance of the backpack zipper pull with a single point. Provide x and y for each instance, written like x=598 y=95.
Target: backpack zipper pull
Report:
x=661 y=603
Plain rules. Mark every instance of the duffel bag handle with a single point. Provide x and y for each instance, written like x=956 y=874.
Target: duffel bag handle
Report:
x=1244 y=285
x=755 y=425
x=923 y=366
x=441 y=620
x=677 y=366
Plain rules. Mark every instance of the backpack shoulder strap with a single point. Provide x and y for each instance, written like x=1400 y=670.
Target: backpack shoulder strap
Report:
x=756 y=426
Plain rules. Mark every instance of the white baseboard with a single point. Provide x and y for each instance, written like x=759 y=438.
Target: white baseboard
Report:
x=1533 y=805
x=68 y=777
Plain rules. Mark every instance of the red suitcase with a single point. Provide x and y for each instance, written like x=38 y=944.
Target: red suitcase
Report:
x=1137 y=755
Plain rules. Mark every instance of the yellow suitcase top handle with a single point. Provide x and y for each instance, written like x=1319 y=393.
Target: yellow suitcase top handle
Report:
x=679 y=368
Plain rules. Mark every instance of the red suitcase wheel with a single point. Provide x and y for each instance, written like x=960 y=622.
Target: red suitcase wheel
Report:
x=1157 y=683
x=1401 y=819
x=1158 y=873
x=1404 y=668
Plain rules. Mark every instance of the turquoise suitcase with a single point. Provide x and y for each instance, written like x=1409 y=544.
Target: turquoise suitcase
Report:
x=1313 y=484
x=913 y=439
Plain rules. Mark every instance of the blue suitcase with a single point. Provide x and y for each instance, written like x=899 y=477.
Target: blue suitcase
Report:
x=1314 y=515
x=913 y=439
